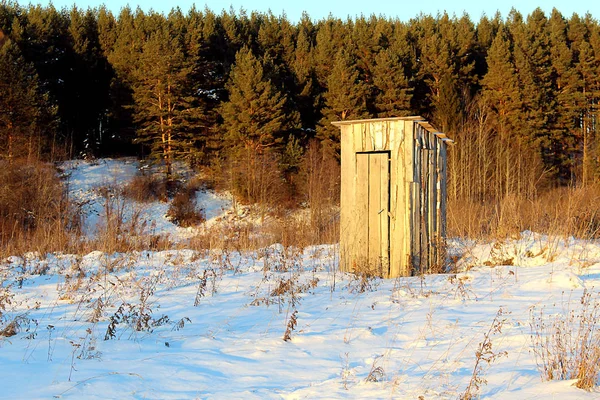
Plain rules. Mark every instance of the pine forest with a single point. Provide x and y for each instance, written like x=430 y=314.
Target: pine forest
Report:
x=251 y=97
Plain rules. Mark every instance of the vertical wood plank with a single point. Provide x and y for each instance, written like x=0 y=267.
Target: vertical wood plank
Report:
x=408 y=192
x=444 y=191
x=374 y=208
x=361 y=216
x=397 y=203
x=424 y=212
x=415 y=248
x=384 y=219
x=433 y=203
x=369 y=140
x=347 y=192
x=357 y=135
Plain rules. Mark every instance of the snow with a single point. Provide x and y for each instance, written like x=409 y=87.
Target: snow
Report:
x=227 y=315
x=86 y=178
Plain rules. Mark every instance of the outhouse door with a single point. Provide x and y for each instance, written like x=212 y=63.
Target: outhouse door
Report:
x=373 y=206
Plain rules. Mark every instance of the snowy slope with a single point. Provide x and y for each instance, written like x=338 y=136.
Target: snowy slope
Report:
x=210 y=325
x=85 y=178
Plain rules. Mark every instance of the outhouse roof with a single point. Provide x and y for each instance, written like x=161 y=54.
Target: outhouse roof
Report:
x=418 y=119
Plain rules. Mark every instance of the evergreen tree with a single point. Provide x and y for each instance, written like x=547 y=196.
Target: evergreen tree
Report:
x=165 y=109
x=567 y=94
x=589 y=69
x=123 y=58
x=329 y=40
x=43 y=38
x=393 y=90
x=88 y=84
x=306 y=87
x=502 y=94
x=207 y=78
x=26 y=118
x=107 y=30
x=253 y=117
x=435 y=62
x=532 y=60
x=345 y=99
x=501 y=86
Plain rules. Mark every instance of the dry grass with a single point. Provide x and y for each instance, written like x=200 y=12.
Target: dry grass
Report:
x=485 y=355
x=566 y=344
x=35 y=212
x=560 y=211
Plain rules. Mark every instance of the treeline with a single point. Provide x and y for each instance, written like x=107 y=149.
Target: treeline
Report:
x=518 y=94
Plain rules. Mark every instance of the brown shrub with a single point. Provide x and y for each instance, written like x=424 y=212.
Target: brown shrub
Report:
x=146 y=188
x=258 y=179
x=183 y=210
x=35 y=213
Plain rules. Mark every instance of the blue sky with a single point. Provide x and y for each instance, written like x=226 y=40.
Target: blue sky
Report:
x=402 y=9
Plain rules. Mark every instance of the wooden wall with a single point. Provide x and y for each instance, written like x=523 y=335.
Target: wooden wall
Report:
x=428 y=230
x=392 y=216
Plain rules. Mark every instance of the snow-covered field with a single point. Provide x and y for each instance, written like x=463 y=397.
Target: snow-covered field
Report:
x=211 y=324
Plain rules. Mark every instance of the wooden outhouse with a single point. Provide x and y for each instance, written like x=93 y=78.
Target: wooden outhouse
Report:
x=393 y=196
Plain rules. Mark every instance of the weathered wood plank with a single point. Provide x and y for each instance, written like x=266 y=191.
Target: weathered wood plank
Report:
x=433 y=207
x=347 y=198
x=374 y=221
x=415 y=248
x=384 y=201
x=397 y=202
x=424 y=212
x=361 y=213
x=357 y=135
x=411 y=206
x=444 y=191
x=360 y=121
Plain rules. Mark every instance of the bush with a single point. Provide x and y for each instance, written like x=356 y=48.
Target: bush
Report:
x=35 y=213
x=183 y=211
x=146 y=188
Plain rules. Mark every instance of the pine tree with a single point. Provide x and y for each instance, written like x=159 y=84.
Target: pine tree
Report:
x=345 y=99
x=501 y=85
x=255 y=124
x=25 y=115
x=568 y=96
x=164 y=108
x=328 y=41
x=123 y=57
x=207 y=78
x=393 y=90
x=88 y=84
x=253 y=117
x=42 y=36
x=502 y=94
x=437 y=63
x=107 y=30
x=305 y=80
x=532 y=60
x=589 y=69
